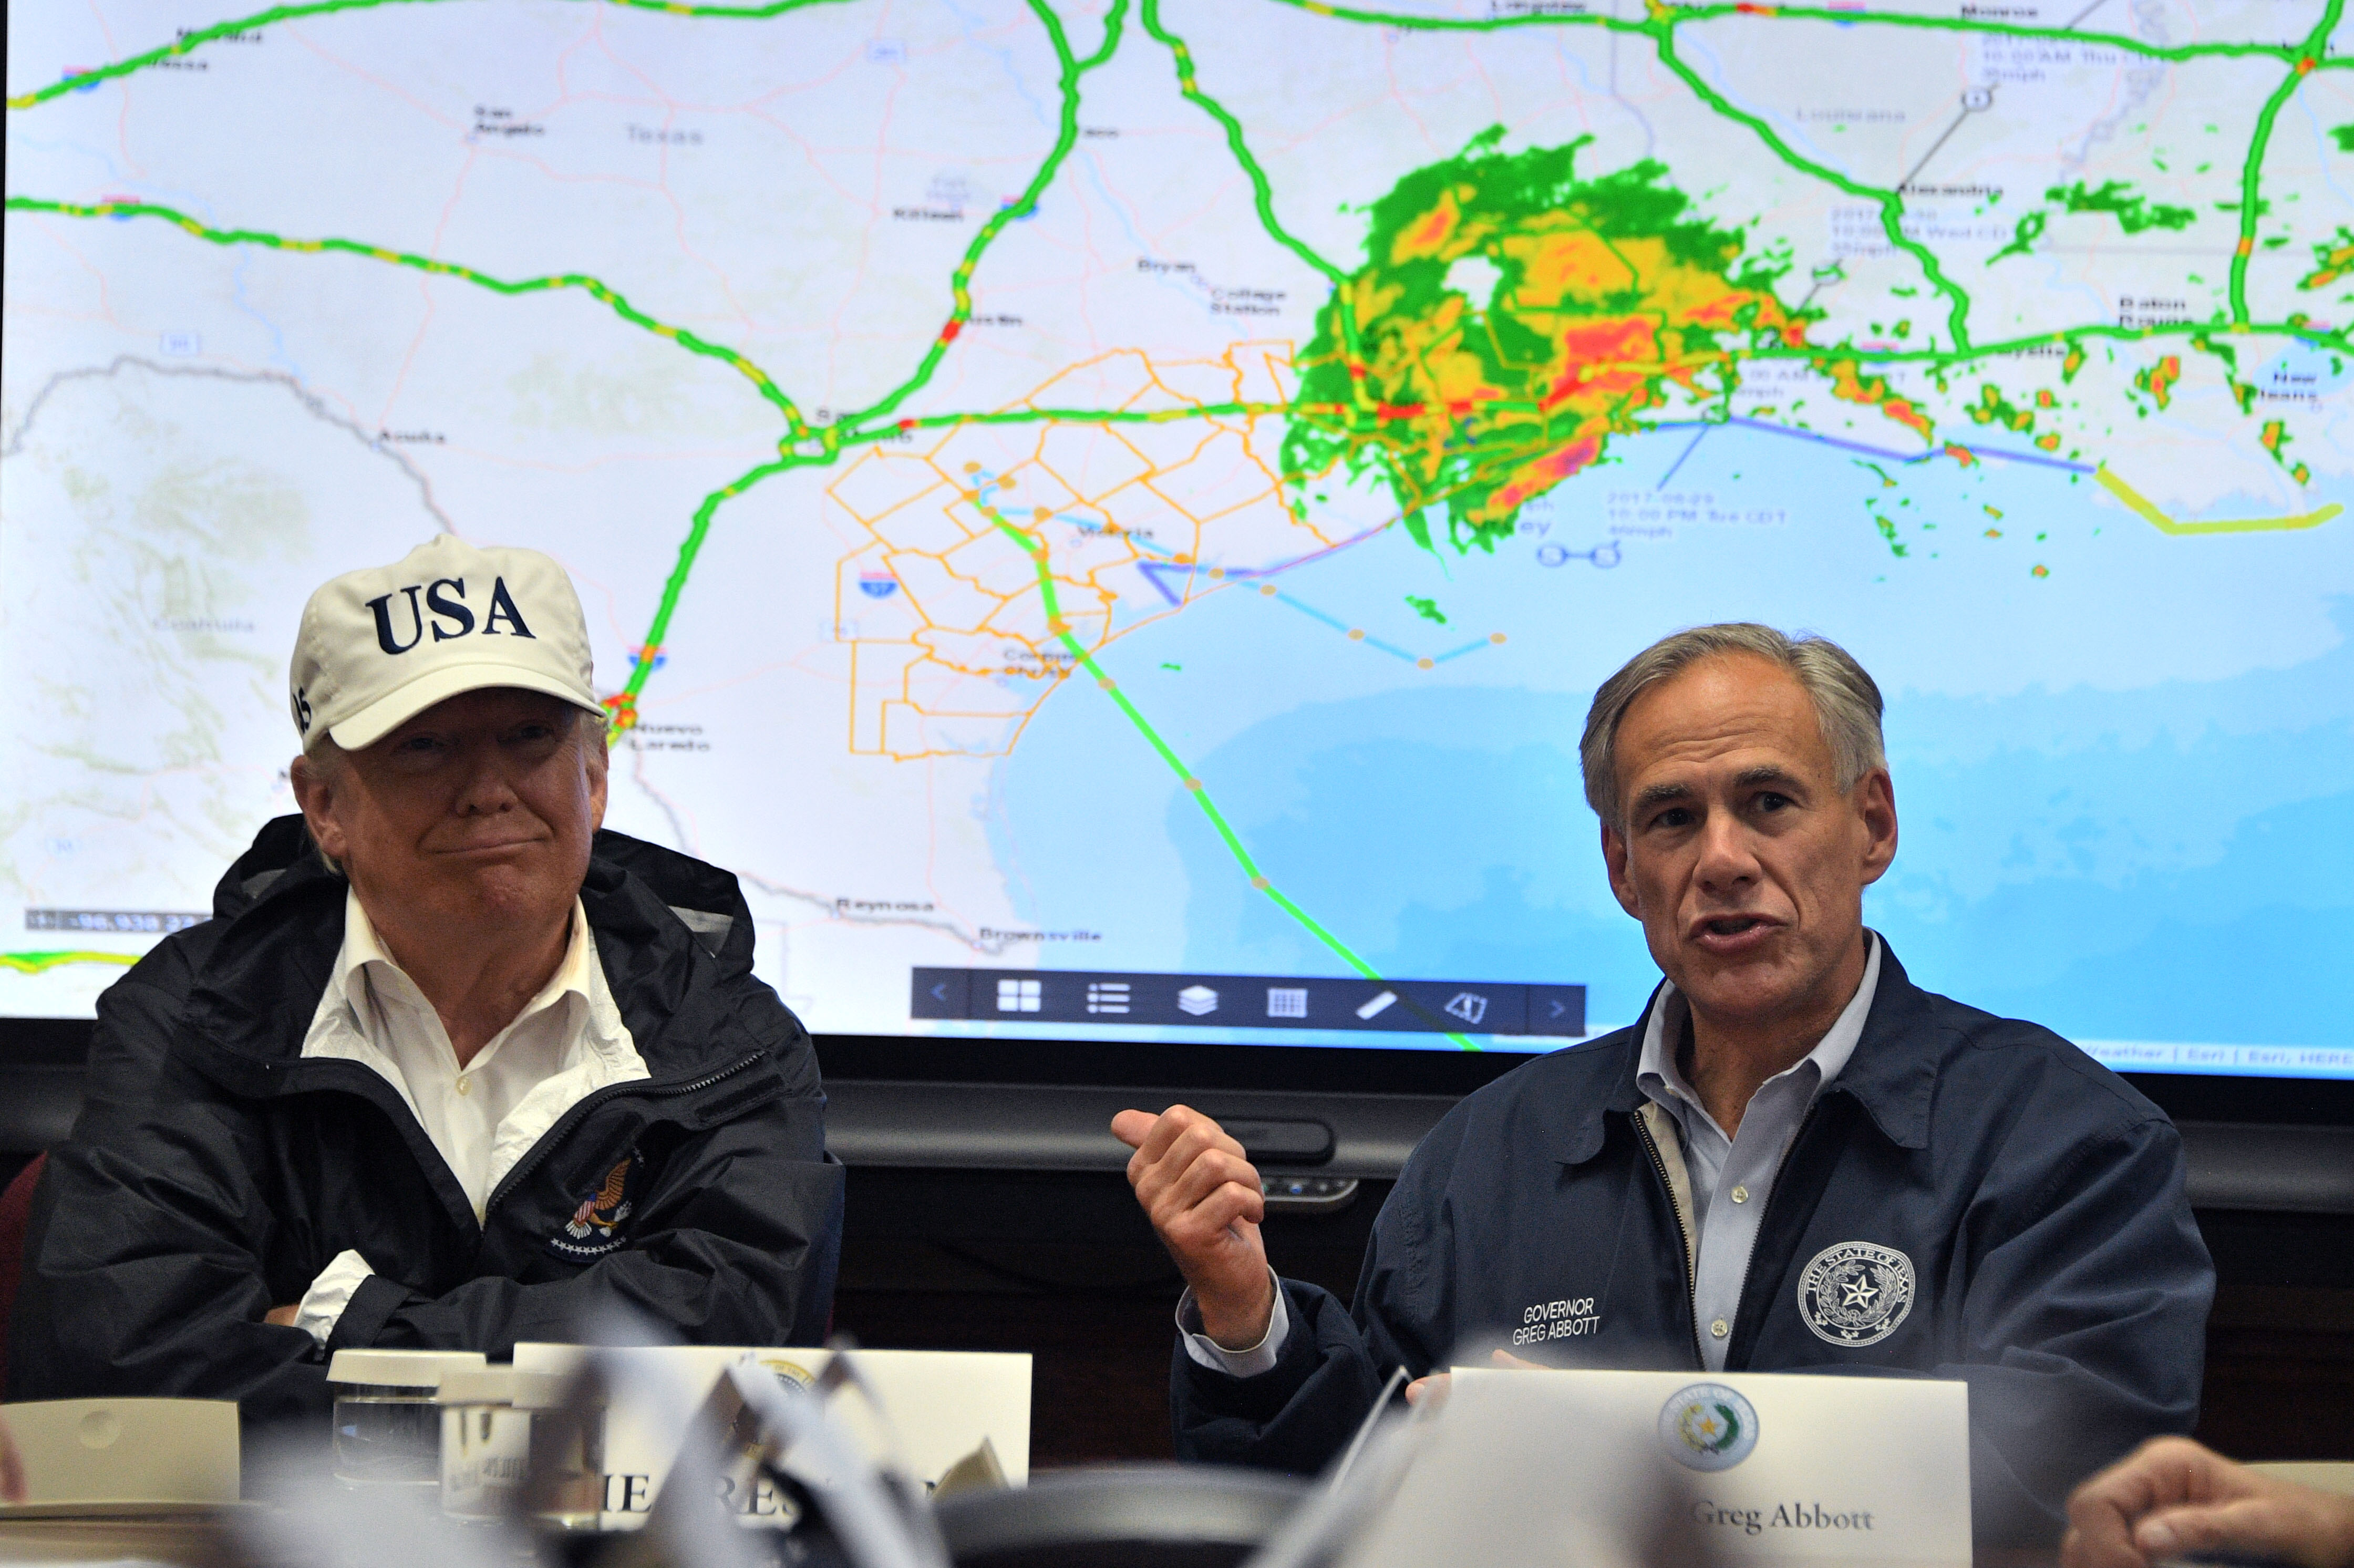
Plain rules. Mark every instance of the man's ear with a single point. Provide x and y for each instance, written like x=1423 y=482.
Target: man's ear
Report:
x=598 y=761
x=315 y=792
x=1614 y=856
x=1874 y=797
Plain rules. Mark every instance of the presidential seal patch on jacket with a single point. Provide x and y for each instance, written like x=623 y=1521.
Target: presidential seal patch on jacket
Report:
x=1855 y=1293
x=595 y=1227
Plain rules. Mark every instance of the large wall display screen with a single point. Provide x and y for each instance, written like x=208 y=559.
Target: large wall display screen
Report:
x=1108 y=514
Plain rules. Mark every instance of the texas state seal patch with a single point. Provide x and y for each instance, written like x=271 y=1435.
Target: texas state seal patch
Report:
x=596 y=1226
x=1855 y=1293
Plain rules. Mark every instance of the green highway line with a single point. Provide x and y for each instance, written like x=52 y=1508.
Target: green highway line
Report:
x=805 y=446
x=1262 y=189
x=848 y=434
x=675 y=584
x=2252 y=172
x=847 y=431
x=1109 y=416
x=1891 y=202
x=2305 y=332
x=2119 y=41
x=195 y=37
x=692 y=545
x=1067 y=136
x=1932 y=358
x=1672 y=16
x=608 y=297
x=1036 y=548
x=1262 y=193
x=1676 y=16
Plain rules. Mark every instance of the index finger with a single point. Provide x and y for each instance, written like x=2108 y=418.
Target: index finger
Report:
x=2102 y=1512
x=1173 y=1124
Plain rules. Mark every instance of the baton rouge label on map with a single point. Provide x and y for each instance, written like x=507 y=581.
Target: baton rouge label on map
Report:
x=1708 y=1427
x=1855 y=1293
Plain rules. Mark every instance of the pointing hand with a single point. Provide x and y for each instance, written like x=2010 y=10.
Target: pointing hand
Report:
x=1204 y=1200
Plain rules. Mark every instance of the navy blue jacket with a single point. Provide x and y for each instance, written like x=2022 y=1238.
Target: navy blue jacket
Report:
x=215 y=1171
x=2037 y=1197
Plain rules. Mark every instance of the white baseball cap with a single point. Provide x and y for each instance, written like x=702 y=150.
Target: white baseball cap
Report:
x=378 y=647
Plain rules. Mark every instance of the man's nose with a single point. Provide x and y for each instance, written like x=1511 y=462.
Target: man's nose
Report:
x=487 y=789
x=1725 y=858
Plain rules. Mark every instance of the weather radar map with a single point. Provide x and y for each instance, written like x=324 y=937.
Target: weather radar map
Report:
x=1137 y=496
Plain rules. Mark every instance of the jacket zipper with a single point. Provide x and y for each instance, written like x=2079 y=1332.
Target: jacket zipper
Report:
x=1781 y=1165
x=588 y=1102
x=1683 y=1236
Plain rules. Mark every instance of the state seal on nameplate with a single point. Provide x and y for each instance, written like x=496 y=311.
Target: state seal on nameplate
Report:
x=1708 y=1427
x=1856 y=1292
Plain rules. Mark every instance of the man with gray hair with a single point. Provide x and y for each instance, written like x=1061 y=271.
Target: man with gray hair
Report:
x=1796 y=1160
x=450 y=1066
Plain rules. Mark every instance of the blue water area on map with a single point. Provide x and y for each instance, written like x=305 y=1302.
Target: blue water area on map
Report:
x=2303 y=370
x=2125 y=784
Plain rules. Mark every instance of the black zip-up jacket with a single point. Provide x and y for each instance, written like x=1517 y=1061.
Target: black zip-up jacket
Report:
x=2037 y=1201
x=214 y=1172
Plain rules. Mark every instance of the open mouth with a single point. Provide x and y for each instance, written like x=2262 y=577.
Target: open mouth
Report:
x=1726 y=926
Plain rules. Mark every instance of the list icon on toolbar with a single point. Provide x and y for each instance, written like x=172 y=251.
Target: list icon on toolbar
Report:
x=1349 y=1003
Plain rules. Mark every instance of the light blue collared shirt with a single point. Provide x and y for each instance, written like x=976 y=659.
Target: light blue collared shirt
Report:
x=1744 y=1167
x=1731 y=1178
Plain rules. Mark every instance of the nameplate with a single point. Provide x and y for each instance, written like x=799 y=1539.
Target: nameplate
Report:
x=1752 y=1468
x=937 y=1407
x=114 y=1456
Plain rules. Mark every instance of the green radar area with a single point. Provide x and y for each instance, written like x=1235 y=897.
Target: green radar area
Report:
x=1074 y=452
x=1513 y=315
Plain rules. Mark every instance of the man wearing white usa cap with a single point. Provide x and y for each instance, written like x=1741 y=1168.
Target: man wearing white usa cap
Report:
x=450 y=1067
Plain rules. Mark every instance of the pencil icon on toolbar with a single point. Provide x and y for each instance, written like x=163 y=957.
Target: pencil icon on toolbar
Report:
x=1377 y=1004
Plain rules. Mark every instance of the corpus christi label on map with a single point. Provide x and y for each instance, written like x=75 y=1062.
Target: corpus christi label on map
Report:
x=1149 y=487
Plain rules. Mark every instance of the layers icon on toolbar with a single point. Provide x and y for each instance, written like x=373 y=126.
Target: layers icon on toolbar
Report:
x=1352 y=1003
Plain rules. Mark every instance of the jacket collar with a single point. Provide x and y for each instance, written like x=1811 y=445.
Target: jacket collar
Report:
x=1893 y=1073
x=251 y=1005
x=1579 y=1107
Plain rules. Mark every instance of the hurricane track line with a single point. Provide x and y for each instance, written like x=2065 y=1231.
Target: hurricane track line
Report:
x=805 y=446
x=1036 y=548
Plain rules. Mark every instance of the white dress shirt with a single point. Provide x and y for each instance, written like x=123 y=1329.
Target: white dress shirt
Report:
x=567 y=1042
x=1742 y=1166
x=1732 y=1178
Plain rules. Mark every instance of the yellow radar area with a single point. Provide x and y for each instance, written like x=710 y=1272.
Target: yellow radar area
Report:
x=40 y=963
x=2141 y=507
x=1511 y=318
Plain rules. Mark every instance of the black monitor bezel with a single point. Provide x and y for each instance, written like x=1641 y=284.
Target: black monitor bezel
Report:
x=1340 y=1070
x=1334 y=1070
